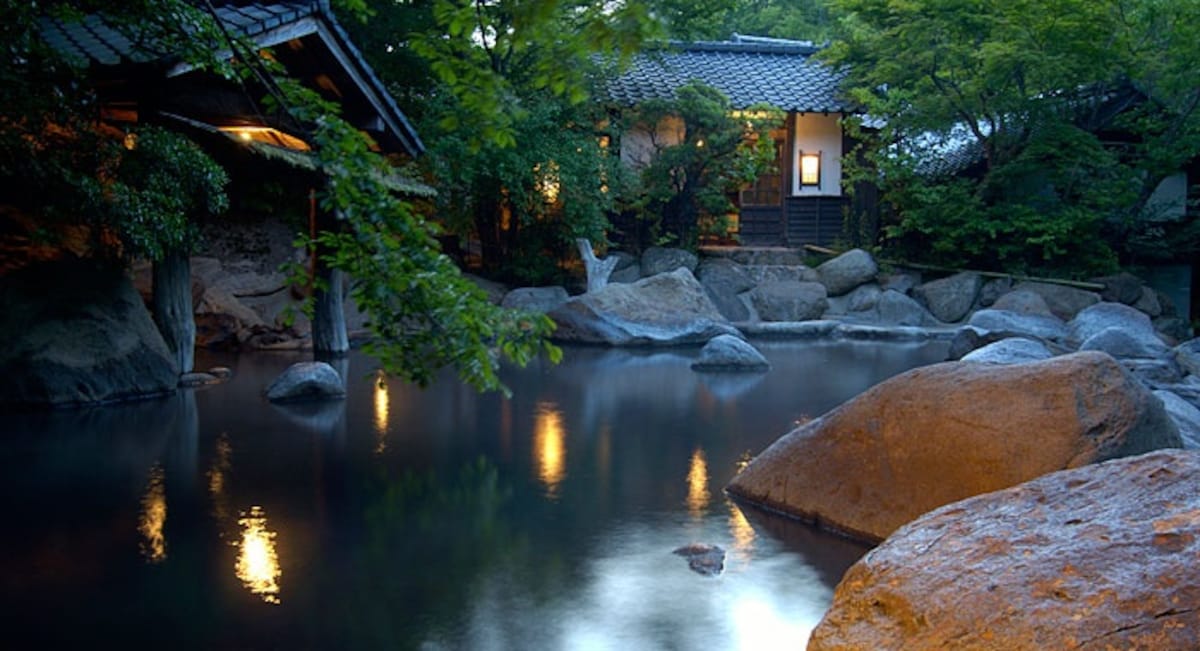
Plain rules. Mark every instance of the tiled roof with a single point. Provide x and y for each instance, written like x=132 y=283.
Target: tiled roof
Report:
x=95 y=40
x=748 y=70
x=950 y=161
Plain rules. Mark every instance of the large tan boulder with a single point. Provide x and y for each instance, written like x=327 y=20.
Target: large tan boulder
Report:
x=942 y=433
x=1099 y=557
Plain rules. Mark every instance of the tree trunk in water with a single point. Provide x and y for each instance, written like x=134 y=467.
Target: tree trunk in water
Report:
x=172 y=307
x=329 y=318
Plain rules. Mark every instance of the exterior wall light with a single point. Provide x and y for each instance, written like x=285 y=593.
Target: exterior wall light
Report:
x=810 y=168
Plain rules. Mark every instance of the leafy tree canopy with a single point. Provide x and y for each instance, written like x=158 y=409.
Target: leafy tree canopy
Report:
x=490 y=53
x=806 y=20
x=701 y=154
x=136 y=194
x=525 y=204
x=424 y=314
x=1077 y=108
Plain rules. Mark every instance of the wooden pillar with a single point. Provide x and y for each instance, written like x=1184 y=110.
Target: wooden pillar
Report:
x=172 y=307
x=329 y=316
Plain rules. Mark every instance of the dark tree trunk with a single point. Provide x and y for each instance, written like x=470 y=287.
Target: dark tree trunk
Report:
x=172 y=307
x=329 y=316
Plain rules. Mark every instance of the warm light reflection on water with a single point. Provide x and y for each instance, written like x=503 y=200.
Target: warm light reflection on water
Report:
x=549 y=447
x=697 y=480
x=153 y=517
x=740 y=529
x=381 y=413
x=218 y=475
x=257 y=562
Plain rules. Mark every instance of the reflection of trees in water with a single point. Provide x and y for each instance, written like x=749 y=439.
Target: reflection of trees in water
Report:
x=461 y=524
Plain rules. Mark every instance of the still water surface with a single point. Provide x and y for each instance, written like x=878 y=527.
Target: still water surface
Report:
x=426 y=519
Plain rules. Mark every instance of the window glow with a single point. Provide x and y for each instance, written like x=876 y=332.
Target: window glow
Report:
x=810 y=168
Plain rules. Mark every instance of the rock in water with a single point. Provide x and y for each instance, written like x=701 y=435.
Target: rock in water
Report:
x=307 y=381
x=1099 y=557
x=77 y=335
x=708 y=560
x=670 y=308
x=942 y=433
x=730 y=354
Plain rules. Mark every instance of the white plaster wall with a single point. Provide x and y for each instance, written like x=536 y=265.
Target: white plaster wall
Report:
x=823 y=133
x=639 y=145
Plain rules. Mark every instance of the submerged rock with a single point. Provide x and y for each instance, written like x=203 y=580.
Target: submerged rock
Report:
x=307 y=381
x=1099 y=557
x=708 y=560
x=942 y=433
